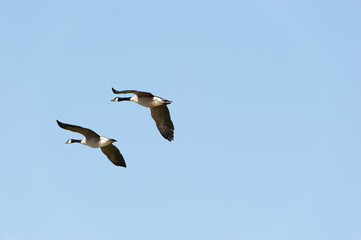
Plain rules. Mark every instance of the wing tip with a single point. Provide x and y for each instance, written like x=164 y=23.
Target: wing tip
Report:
x=121 y=164
x=169 y=135
x=60 y=124
x=170 y=138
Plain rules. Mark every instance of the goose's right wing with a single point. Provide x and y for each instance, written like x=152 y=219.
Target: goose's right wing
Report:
x=165 y=125
x=85 y=131
x=138 y=93
x=114 y=155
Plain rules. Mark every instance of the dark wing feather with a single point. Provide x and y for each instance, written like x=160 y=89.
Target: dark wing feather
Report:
x=138 y=93
x=114 y=155
x=165 y=125
x=85 y=131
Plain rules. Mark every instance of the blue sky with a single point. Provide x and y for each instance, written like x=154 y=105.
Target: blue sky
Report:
x=266 y=108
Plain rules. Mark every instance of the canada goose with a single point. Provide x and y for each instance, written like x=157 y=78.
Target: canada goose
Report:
x=158 y=108
x=93 y=140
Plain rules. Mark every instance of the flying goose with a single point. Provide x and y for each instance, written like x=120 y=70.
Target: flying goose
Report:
x=93 y=140
x=158 y=109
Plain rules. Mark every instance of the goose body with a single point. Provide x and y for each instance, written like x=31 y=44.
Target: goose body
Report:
x=92 y=139
x=148 y=101
x=158 y=108
x=97 y=143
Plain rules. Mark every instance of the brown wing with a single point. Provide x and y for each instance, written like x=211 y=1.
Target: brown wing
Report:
x=165 y=125
x=138 y=93
x=85 y=131
x=114 y=155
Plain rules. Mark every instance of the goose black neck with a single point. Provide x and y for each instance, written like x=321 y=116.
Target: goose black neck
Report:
x=118 y=99
x=75 y=141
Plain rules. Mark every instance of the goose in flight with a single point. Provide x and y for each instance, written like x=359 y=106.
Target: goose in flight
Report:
x=93 y=140
x=158 y=109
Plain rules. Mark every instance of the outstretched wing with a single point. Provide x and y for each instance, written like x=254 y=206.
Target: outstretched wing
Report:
x=165 y=125
x=114 y=155
x=138 y=93
x=85 y=131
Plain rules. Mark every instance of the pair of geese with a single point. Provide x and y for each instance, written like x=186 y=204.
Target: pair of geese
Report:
x=159 y=111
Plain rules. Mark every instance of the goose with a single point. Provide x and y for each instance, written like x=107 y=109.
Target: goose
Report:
x=93 y=140
x=158 y=108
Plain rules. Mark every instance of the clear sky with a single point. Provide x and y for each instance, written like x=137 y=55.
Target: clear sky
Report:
x=266 y=107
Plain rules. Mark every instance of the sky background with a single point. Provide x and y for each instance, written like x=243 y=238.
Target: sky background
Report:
x=266 y=107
